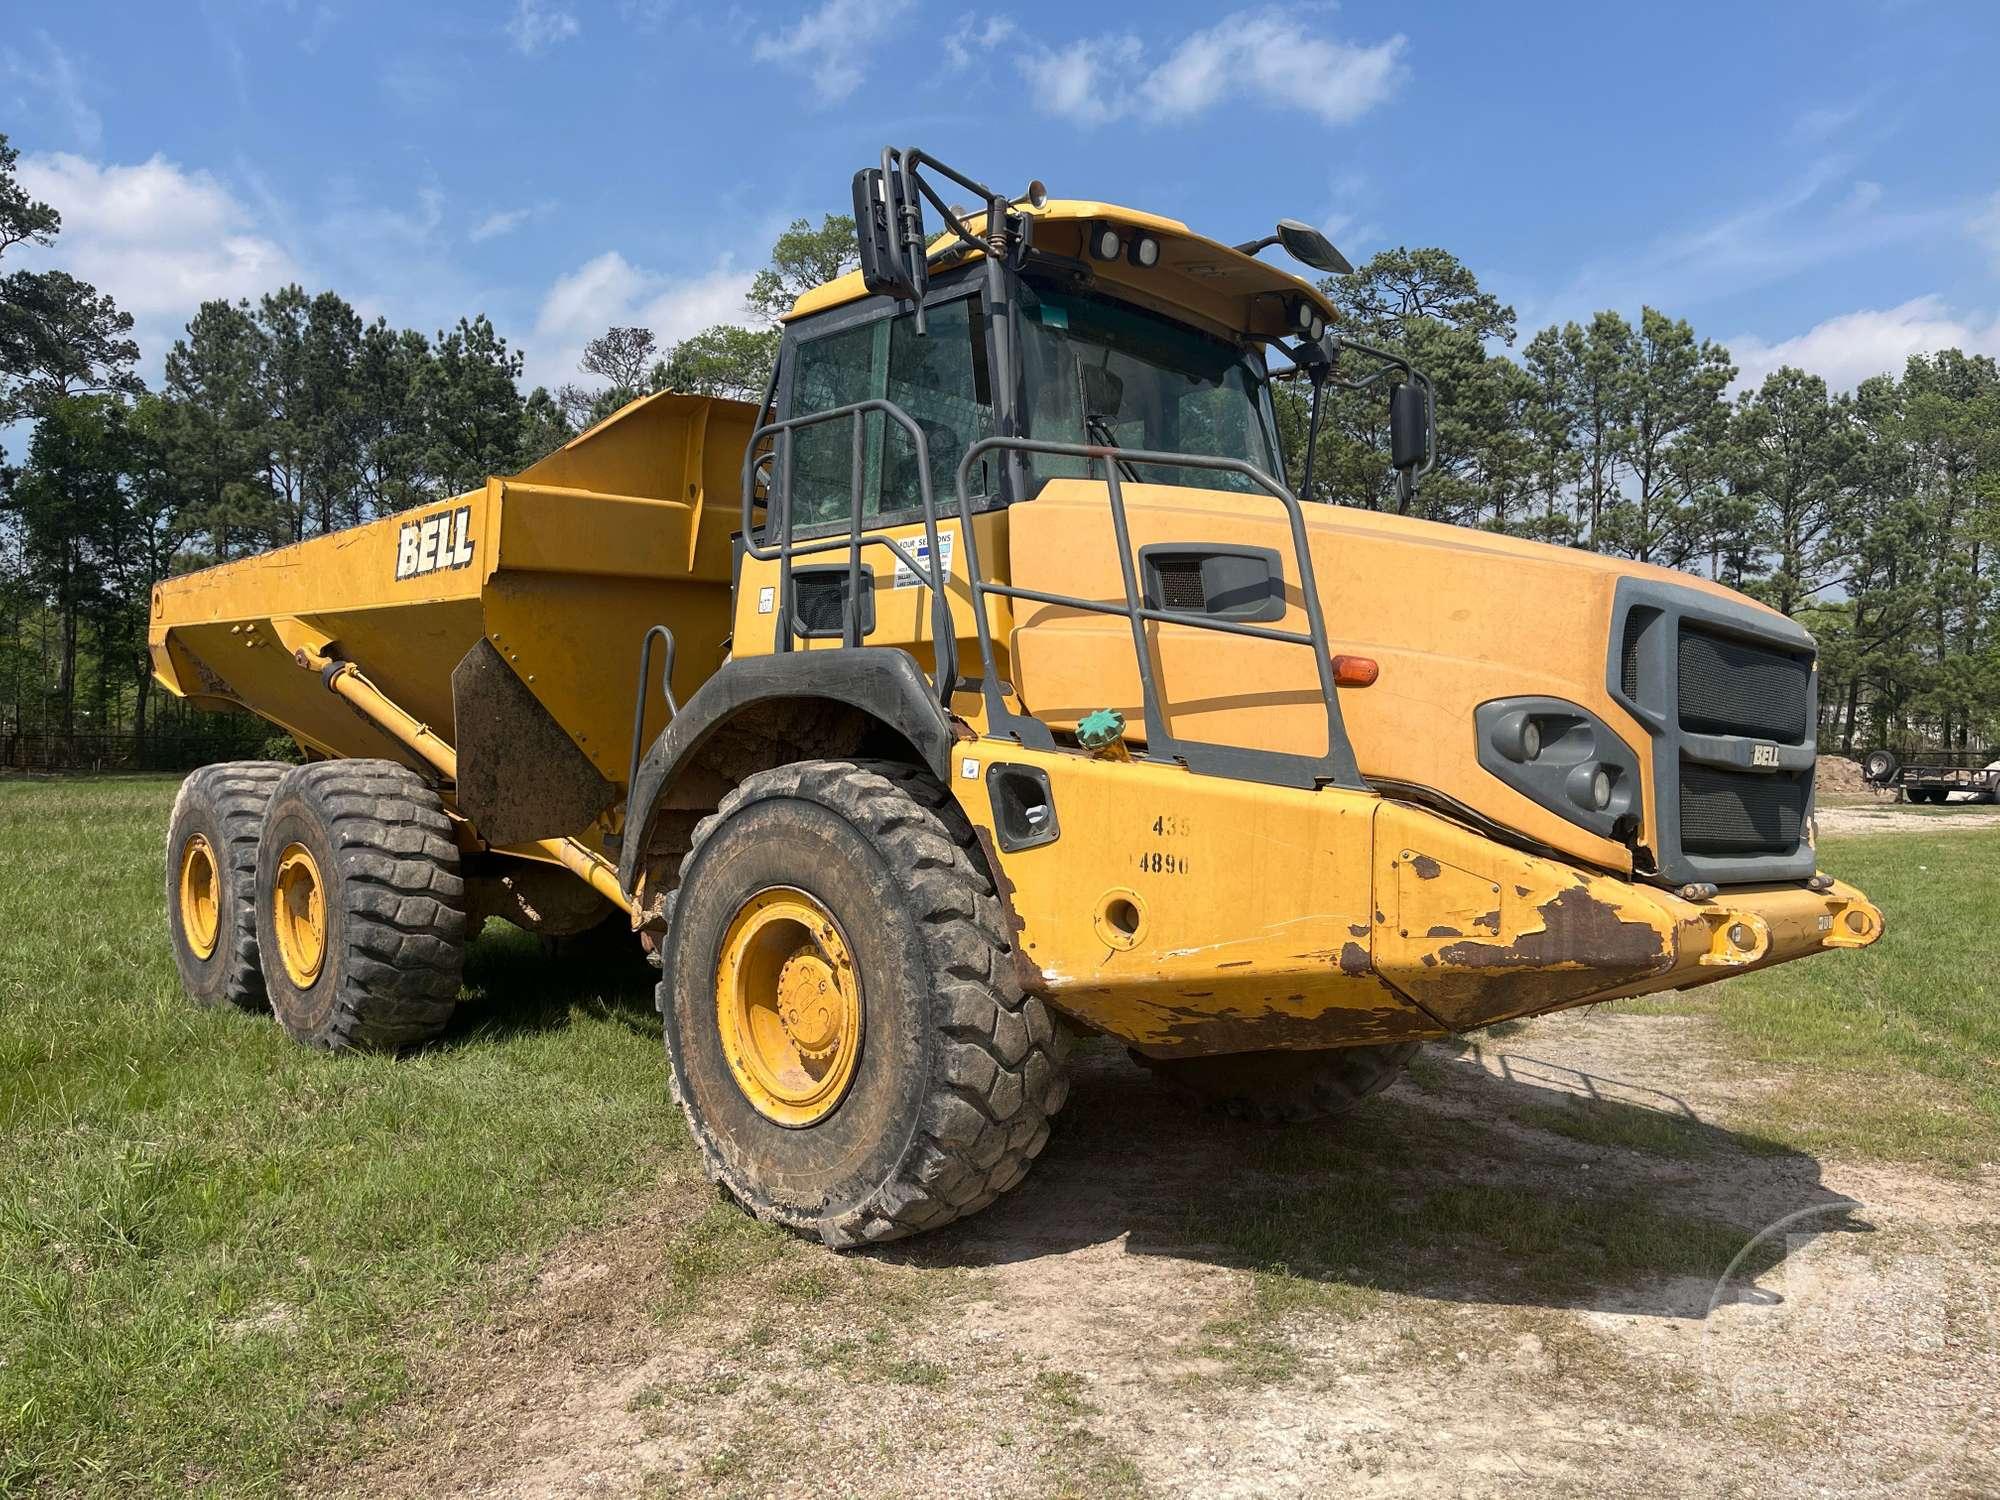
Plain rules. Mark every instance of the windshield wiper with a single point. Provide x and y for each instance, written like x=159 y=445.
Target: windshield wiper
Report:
x=1097 y=427
x=1099 y=430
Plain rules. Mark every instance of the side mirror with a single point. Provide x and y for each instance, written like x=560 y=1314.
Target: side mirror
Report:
x=1409 y=427
x=881 y=257
x=1308 y=246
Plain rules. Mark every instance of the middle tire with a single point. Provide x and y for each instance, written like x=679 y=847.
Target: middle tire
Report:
x=851 y=1045
x=360 y=906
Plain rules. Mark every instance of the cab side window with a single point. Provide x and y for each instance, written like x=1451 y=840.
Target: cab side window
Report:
x=939 y=379
x=834 y=370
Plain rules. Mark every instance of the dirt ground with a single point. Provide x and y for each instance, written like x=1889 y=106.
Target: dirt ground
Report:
x=1894 y=817
x=1104 y=1331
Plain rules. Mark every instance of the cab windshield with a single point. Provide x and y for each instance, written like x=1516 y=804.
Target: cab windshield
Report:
x=1102 y=372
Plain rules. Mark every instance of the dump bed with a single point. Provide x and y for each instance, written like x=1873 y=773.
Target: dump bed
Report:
x=560 y=570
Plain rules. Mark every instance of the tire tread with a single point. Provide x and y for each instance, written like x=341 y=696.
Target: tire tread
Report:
x=988 y=1103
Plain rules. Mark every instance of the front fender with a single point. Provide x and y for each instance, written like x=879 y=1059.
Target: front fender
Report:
x=885 y=684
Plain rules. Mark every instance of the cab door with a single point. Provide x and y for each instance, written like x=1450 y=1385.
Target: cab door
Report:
x=942 y=380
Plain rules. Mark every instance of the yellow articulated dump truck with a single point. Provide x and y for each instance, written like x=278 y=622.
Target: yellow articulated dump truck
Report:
x=984 y=685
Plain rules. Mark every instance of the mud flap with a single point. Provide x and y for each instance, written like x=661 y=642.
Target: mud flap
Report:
x=520 y=776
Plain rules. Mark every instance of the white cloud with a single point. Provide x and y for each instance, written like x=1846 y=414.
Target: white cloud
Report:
x=159 y=238
x=1782 y=234
x=536 y=27
x=1847 y=349
x=58 y=79
x=610 y=290
x=829 y=45
x=1073 y=79
x=975 y=34
x=1261 y=55
x=496 y=224
x=1814 y=125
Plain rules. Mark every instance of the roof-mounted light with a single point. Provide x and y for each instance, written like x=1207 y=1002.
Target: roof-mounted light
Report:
x=1145 y=251
x=1106 y=243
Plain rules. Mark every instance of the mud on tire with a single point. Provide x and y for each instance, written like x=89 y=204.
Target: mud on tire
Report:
x=1283 y=1087
x=222 y=806
x=959 y=1069
x=392 y=899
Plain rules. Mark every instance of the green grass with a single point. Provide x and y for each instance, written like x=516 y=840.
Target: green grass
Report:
x=1893 y=1051
x=218 y=1250
x=221 y=1255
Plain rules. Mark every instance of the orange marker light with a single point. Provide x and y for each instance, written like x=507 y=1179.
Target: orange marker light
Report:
x=1355 y=671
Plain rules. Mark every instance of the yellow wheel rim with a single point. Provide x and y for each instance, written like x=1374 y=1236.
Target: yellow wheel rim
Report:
x=298 y=910
x=200 y=897
x=788 y=1006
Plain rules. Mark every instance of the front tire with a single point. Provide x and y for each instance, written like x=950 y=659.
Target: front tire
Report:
x=1284 y=1087
x=360 y=906
x=852 y=1048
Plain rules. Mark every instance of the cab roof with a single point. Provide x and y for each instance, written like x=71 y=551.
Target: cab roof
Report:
x=1237 y=293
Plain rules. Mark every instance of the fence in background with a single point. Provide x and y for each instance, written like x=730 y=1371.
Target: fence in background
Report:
x=166 y=751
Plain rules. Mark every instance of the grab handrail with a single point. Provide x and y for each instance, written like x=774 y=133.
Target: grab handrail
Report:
x=786 y=547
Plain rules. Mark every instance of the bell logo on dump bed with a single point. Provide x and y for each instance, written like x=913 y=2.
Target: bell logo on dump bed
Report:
x=435 y=544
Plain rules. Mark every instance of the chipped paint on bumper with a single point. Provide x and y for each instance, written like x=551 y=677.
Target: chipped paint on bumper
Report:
x=1275 y=918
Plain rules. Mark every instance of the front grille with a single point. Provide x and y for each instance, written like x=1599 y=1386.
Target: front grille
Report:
x=1726 y=812
x=1727 y=695
x=1628 y=665
x=1730 y=687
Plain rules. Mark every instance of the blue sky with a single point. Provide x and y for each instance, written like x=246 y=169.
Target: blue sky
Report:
x=1818 y=183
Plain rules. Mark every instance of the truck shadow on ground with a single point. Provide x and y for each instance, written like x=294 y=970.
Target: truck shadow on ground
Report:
x=1488 y=1173
x=516 y=983
x=1485 y=1175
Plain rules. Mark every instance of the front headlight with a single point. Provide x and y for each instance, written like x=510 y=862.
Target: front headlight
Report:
x=1562 y=757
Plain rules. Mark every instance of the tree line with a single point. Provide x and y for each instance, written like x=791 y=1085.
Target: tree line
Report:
x=1869 y=516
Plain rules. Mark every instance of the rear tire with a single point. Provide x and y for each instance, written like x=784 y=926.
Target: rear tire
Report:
x=361 y=907
x=1283 y=1087
x=212 y=880
x=930 y=1090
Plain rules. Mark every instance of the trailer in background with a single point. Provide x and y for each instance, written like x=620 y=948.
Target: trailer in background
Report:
x=1933 y=775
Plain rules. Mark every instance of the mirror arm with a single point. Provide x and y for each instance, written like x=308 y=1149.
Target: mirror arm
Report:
x=1318 y=376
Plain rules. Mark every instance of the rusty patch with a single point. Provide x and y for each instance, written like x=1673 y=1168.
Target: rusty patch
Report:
x=1358 y=929
x=1354 y=959
x=1577 y=929
x=1426 y=867
x=1244 y=1031
x=1584 y=948
x=1489 y=920
x=1444 y=932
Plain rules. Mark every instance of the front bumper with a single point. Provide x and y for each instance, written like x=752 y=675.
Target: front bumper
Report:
x=1191 y=914
x=1482 y=934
